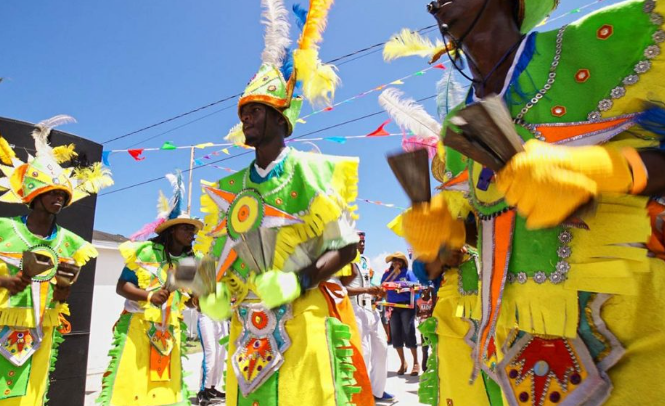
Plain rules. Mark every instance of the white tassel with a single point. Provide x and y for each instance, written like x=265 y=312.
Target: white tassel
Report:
x=408 y=114
x=275 y=18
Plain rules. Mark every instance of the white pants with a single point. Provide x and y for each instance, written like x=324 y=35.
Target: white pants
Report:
x=214 y=354
x=375 y=347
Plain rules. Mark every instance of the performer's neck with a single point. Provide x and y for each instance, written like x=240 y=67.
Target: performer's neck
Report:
x=39 y=222
x=268 y=152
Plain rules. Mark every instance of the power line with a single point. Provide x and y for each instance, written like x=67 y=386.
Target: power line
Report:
x=376 y=113
x=168 y=120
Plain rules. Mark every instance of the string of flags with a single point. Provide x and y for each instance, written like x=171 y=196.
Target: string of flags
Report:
x=137 y=153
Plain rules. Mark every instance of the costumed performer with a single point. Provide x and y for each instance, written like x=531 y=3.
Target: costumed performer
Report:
x=570 y=312
x=286 y=347
x=373 y=336
x=32 y=309
x=146 y=367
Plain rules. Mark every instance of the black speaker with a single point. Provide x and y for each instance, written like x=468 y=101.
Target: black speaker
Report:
x=67 y=386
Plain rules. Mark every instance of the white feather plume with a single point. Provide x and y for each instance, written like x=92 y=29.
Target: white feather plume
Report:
x=43 y=129
x=449 y=93
x=408 y=114
x=277 y=40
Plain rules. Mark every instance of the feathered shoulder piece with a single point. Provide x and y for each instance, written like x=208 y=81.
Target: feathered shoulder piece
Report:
x=23 y=181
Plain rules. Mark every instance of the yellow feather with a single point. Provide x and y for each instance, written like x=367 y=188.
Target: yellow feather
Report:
x=235 y=135
x=318 y=79
x=93 y=178
x=317 y=19
x=64 y=153
x=408 y=43
x=6 y=152
x=163 y=207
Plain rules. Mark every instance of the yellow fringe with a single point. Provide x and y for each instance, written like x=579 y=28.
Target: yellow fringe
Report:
x=25 y=317
x=84 y=254
x=204 y=242
x=345 y=182
x=604 y=259
x=322 y=210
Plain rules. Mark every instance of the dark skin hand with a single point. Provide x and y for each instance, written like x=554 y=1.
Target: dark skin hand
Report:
x=61 y=293
x=183 y=236
x=437 y=267
x=355 y=291
x=495 y=33
x=330 y=263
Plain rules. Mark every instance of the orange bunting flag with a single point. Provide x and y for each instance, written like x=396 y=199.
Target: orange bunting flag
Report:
x=136 y=154
x=380 y=132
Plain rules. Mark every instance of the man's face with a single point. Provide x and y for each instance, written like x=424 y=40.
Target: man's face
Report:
x=458 y=15
x=184 y=234
x=259 y=124
x=361 y=245
x=53 y=201
x=455 y=258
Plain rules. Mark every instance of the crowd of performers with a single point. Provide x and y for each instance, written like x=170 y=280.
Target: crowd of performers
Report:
x=543 y=304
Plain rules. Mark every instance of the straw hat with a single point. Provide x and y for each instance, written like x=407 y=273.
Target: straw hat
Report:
x=181 y=219
x=396 y=255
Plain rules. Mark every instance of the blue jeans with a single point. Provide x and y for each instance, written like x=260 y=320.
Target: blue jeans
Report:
x=403 y=328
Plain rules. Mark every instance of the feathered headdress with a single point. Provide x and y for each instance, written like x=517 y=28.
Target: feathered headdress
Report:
x=169 y=211
x=43 y=173
x=411 y=117
x=281 y=69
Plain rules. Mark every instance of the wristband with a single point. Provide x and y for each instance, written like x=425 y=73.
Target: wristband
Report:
x=304 y=281
x=150 y=296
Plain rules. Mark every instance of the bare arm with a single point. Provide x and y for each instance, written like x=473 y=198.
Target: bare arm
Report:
x=355 y=291
x=654 y=160
x=327 y=265
x=131 y=292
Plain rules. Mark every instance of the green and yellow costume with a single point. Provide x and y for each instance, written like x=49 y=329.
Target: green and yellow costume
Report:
x=295 y=353
x=146 y=366
x=570 y=314
x=31 y=322
x=299 y=352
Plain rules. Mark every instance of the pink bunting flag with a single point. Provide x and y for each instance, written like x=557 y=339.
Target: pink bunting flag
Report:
x=136 y=154
x=380 y=132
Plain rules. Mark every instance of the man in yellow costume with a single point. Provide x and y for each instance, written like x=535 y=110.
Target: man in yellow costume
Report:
x=570 y=301
x=285 y=347
x=33 y=291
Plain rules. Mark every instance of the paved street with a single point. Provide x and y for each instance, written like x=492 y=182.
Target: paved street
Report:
x=405 y=388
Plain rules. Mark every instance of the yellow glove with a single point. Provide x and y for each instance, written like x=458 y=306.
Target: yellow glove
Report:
x=428 y=226
x=217 y=305
x=547 y=183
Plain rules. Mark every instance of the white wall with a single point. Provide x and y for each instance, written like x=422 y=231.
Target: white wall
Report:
x=106 y=306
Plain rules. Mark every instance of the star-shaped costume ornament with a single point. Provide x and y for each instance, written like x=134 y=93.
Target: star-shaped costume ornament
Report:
x=244 y=211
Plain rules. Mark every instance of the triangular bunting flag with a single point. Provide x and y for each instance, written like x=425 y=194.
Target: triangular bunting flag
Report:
x=136 y=154
x=380 y=132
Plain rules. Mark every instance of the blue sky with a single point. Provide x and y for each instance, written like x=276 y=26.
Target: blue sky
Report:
x=117 y=66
